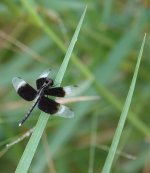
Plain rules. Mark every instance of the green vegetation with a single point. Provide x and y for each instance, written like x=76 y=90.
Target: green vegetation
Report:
x=36 y=35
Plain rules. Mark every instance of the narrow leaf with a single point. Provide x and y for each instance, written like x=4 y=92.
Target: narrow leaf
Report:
x=116 y=139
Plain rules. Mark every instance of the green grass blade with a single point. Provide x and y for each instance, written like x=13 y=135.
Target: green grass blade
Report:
x=31 y=147
x=114 y=145
x=68 y=54
x=107 y=10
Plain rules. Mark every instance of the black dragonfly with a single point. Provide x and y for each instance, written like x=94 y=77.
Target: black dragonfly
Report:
x=45 y=87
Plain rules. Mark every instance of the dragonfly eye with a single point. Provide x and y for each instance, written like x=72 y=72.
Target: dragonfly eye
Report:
x=47 y=81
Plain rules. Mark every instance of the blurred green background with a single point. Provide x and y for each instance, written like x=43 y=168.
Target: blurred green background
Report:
x=107 y=48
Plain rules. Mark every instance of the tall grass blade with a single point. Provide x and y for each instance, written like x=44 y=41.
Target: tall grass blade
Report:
x=107 y=10
x=31 y=147
x=115 y=142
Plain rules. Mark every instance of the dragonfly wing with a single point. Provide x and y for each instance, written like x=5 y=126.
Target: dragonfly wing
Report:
x=24 y=90
x=51 y=107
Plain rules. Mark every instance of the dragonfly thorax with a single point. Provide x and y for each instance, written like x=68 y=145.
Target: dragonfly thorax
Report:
x=47 y=84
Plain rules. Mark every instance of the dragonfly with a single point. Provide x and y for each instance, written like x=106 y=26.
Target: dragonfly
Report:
x=44 y=89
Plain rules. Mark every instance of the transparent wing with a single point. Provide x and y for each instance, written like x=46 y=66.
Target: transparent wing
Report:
x=18 y=82
x=24 y=90
x=65 y=112
x=45 y=74
x=70 y=91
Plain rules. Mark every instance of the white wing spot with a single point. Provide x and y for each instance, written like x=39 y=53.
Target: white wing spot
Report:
x=68 y=90
x=18 y=82
x=44 y=74
x=22 y=83
x=62 y=109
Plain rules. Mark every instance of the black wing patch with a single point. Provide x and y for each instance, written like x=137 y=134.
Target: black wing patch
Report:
x=48 y=106
x=40 y=82
x=41 y=79
x=58 y=92
x=51 y=107
x=24 y=90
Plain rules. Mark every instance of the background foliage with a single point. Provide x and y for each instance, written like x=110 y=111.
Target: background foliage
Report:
x=106 y=52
